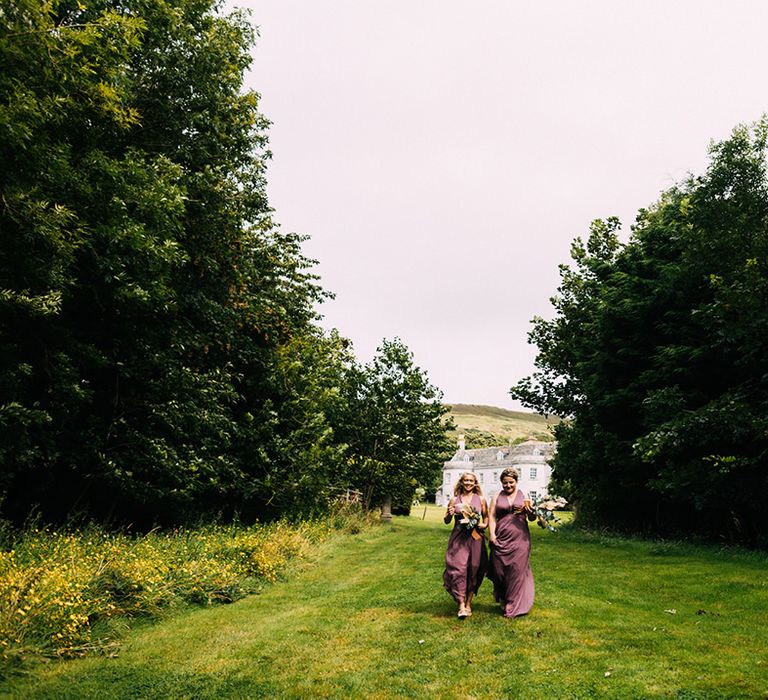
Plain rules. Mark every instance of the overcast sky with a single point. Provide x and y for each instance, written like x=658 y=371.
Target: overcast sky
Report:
x=443 y=154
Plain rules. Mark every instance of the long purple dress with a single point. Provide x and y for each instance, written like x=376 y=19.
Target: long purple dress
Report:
x=465 y=559
x=509 y=566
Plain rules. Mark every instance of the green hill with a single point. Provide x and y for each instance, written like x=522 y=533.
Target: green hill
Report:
x=486 y=426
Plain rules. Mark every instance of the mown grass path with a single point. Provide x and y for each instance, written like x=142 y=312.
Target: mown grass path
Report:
x=369 y=619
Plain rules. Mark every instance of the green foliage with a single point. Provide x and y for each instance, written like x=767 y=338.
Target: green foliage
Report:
x=299 y=454
x=159 y=358
x=146 y=293
x=109 y=253
x=394 y=427
x=657 y=354
x=474 y=439
x=64 y=592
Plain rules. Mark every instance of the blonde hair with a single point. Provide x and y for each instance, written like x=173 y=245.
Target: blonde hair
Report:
x=459 y=489
x=510 y=471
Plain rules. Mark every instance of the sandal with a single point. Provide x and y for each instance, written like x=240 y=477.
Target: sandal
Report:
x=468 y=610
x=463 y=613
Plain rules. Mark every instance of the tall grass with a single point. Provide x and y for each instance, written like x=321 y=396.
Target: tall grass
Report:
x=67 y=592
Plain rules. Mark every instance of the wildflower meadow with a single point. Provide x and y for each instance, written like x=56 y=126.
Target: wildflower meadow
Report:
x=69 y=592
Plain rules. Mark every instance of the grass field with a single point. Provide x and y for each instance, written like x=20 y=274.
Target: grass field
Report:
x=367 y=618
x=508 y=425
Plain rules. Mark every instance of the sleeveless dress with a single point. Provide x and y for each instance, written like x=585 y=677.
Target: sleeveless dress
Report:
x=466 y=558
x=509 y=566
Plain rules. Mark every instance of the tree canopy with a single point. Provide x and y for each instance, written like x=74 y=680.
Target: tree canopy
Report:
x=159 y=352
x=394 y=426
x=657 y=357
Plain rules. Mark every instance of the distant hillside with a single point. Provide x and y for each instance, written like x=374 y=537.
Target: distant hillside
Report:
x=485 y=426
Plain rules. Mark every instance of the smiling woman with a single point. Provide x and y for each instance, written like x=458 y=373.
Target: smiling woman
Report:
x=466 y=558
x=510 y=568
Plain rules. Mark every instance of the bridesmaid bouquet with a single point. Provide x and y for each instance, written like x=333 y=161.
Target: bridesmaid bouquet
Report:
x=470 y=519
x=544 y=511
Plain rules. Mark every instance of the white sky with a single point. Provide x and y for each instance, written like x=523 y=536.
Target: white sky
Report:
x=442 y=154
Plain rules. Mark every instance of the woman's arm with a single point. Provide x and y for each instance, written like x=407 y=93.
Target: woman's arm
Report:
x=530 y=513
x=483 y=515
x=449 y=511
x=492 y=521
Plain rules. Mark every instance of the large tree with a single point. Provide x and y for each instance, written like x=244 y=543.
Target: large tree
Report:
x=393 y=423
x=145 y=293
x=657 y=356
x=298 y=458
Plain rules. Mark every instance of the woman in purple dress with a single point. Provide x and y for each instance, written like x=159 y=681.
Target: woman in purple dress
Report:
x=509 y=567
x=465 y=558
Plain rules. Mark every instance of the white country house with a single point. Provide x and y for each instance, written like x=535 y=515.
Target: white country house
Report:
x=530 y=458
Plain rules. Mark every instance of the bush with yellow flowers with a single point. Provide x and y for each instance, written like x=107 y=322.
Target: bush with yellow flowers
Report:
x=59 y=590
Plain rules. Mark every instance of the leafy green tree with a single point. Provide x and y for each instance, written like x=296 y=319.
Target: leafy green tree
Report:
x=656 y=356
x=297 y=456
x=145 y=293
x=159 y=356
x=475 y=439
x=394 y=427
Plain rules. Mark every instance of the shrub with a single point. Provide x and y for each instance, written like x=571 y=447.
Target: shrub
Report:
x=56 y=586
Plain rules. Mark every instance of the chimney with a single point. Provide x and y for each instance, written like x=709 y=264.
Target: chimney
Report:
x=461 y=443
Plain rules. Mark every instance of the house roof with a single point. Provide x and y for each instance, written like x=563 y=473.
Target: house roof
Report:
x=501 y=456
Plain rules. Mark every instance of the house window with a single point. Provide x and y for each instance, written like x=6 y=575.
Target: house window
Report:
x=533 y=495
x=533 y=472
x=536 y=452
x=480 y=476
x=447 y=477
x=467 y=458
x=499 y=456
x=495 y=477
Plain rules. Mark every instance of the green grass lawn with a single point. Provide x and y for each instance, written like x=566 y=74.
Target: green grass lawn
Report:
x=368 y=618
